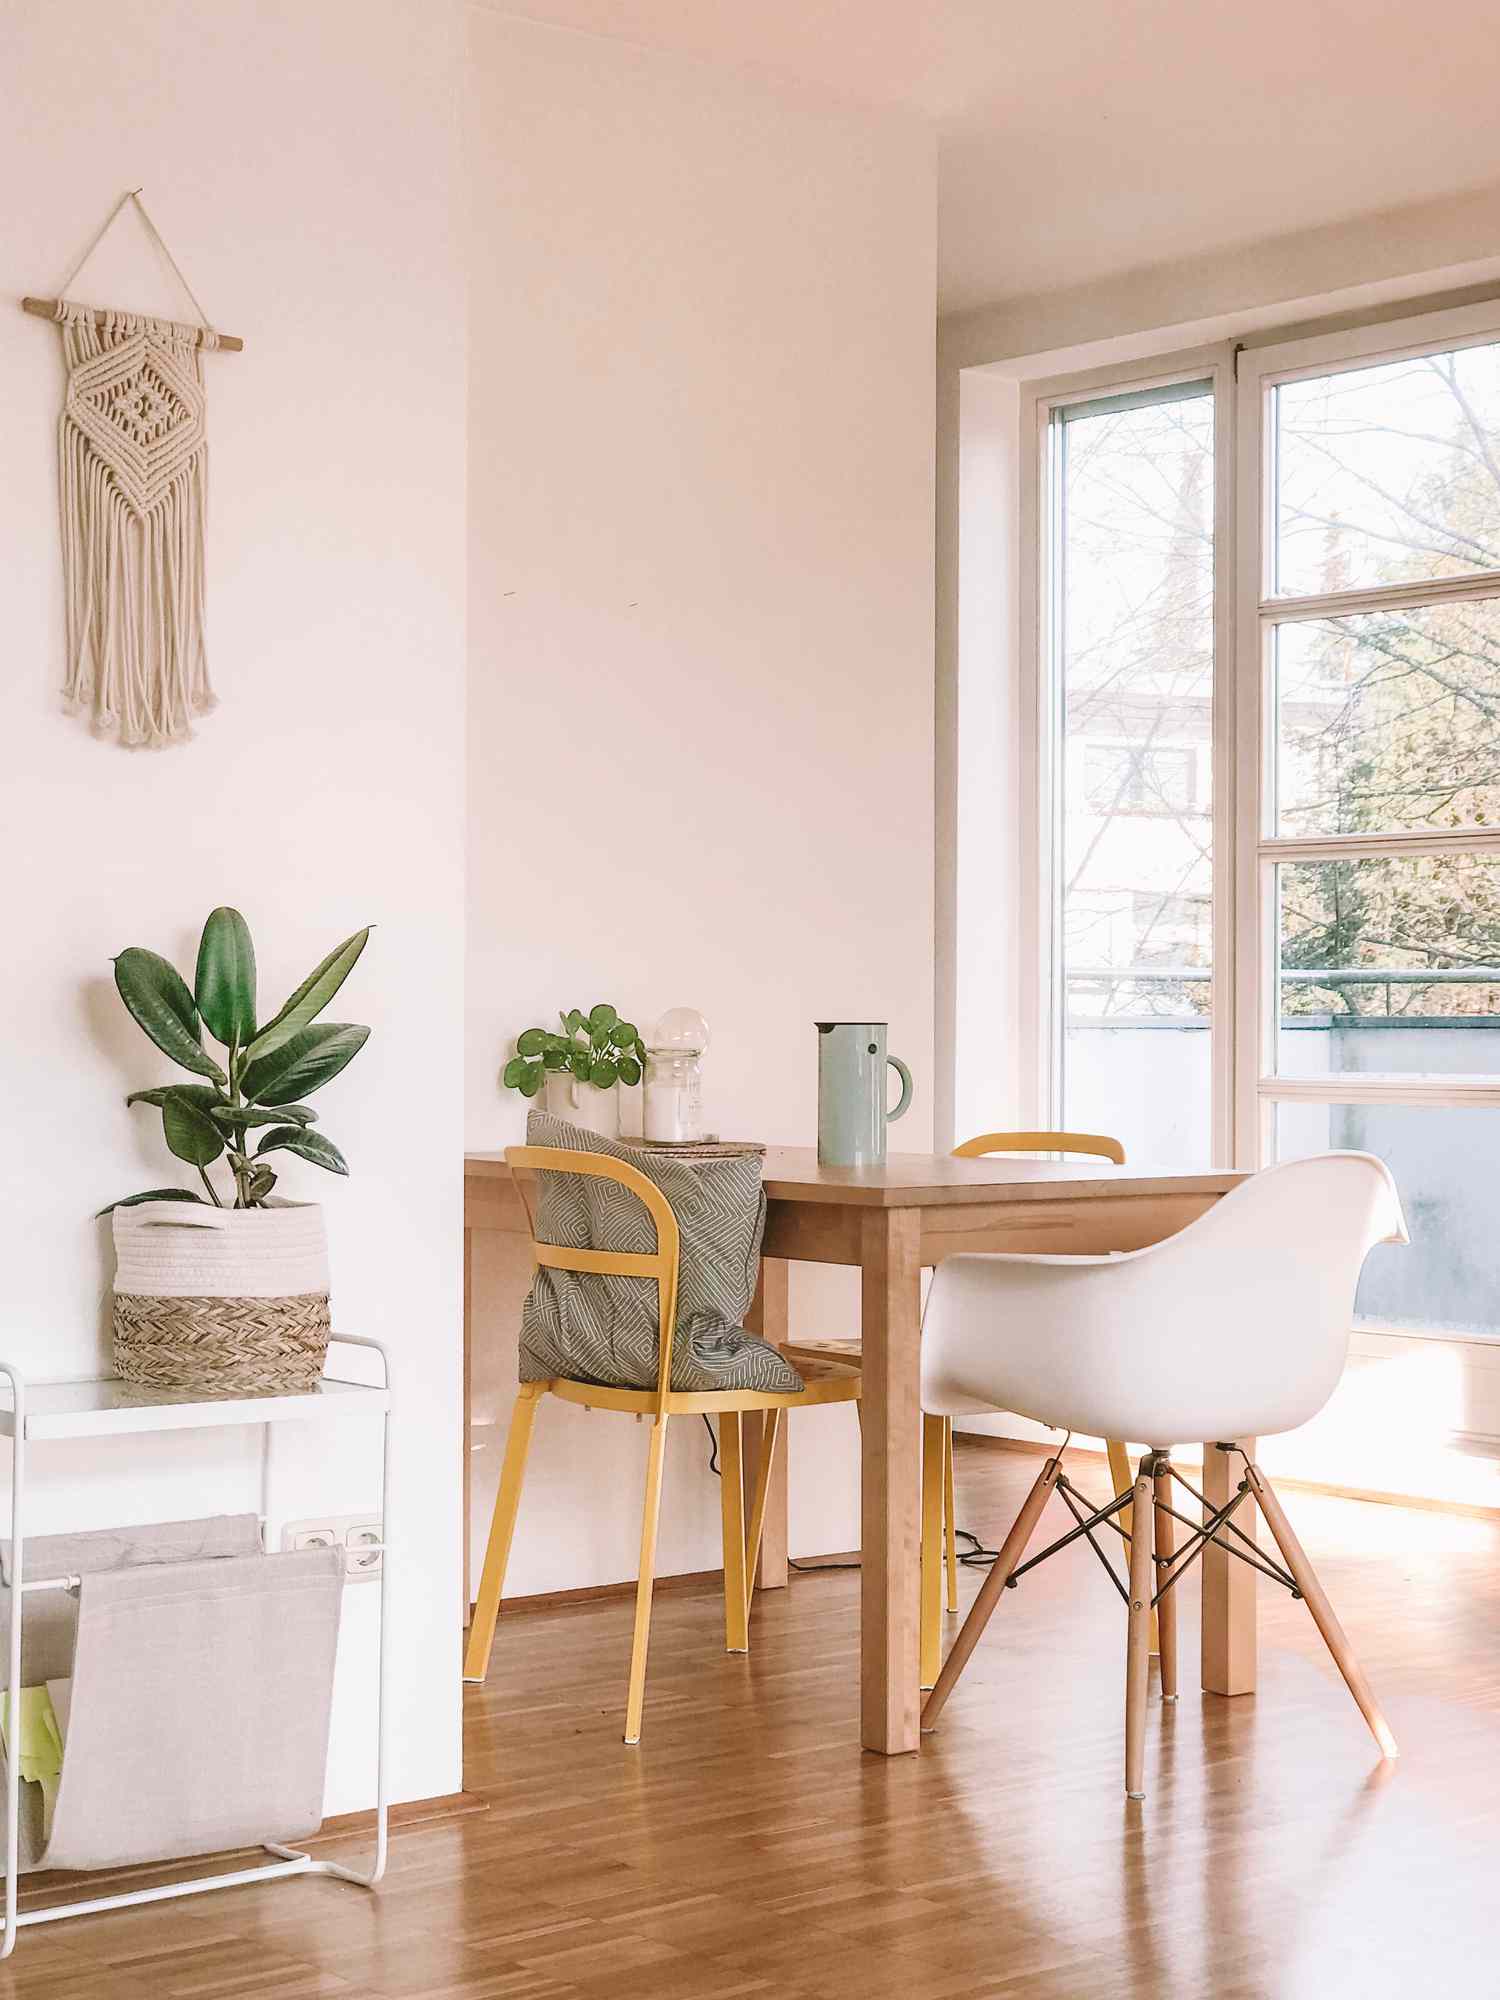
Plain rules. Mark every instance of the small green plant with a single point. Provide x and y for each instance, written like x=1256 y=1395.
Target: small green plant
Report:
x=266 y=1071
x=598 y=1047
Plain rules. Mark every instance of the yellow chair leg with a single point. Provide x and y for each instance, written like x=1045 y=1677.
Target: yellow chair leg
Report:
x=502 y=1528
x=770 y=1433
x=1121 y=1475
x=950 y=1517
x=932 y=1549
x=732 y=1511
x=650 y=1515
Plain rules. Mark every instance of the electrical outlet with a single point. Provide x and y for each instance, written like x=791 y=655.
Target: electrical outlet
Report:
x=310 y=1535
x=363 y=1542
x=360 y=1536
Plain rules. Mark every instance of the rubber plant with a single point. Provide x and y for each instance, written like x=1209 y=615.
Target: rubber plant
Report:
x=266 y=1071
x=598 y=1047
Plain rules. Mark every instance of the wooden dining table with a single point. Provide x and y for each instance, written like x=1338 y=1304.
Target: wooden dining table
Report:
x=891 y=1222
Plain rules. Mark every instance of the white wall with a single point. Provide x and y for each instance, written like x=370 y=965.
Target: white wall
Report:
x=701 y=637
x=302 y=162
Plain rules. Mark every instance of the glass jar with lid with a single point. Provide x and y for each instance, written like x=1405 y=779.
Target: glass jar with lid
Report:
x=672 y=1106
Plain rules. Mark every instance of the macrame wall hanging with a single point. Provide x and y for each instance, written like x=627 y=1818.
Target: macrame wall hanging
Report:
x=133 y=479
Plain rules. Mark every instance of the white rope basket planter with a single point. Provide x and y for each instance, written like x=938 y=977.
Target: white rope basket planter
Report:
x=220 y=1300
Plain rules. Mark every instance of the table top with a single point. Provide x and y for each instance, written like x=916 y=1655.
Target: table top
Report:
x=933 y=1180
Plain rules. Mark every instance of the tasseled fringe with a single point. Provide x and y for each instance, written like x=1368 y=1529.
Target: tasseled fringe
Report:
x=132 y=564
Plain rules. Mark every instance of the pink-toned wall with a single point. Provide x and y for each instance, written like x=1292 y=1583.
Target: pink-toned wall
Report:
x=701 y=637
x=303 y=163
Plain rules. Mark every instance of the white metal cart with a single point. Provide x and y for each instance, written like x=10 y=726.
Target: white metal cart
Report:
x=44 y=1412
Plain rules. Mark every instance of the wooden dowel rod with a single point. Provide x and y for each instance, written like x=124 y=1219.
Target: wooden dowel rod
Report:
x=47 y=309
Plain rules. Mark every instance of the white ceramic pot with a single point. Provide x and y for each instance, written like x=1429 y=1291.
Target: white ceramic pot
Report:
x=584 y=1104
x=219 y=1299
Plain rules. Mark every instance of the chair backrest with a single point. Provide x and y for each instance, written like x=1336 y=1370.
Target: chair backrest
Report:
x=1237 y=1325
x=661 y=1265
x=1097 y=1144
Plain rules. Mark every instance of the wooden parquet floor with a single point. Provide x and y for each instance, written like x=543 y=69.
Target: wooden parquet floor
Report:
x=748 y=1848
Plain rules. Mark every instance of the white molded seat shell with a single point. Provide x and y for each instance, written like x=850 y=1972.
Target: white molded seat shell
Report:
x=1238 y=1326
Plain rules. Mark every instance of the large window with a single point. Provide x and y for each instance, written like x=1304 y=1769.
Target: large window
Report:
x=1369 y=530
x=1131 y=643
x=1271 y=850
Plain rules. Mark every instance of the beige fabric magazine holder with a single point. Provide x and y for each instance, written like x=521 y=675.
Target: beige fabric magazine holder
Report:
x=202 y=1683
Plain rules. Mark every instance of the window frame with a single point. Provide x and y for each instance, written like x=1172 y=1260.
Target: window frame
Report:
x=1261 y=848
x=1041 y=998
x=1246 y=845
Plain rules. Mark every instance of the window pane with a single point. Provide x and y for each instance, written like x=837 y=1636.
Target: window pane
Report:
x=1134 y=647
x=1390 y=966
x=1446 y=1160
x=1389 y=473
x=1389 y=719
x=1136 y=1062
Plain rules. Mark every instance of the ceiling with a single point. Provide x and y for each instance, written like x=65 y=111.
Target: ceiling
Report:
x=1094 y=136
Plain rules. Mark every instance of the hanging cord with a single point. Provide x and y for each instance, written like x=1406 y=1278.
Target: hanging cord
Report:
x=210 y=337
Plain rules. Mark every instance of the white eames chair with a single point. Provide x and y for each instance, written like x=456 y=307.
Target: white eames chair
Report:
x=1236 y=1327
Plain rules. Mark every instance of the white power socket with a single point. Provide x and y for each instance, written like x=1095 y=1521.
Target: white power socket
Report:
x=360 y=1536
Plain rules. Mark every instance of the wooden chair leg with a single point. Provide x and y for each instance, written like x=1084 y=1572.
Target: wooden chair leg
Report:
x=950 y=1519
x=1121 y=1476
x=650 y=1515
x=502 y=1530
x=1138 y=1639
x=1316 y=1600
x=770 y=1435
x=932 y=1549
x=1011 y=1551
x=1166 y=1610
x=732 y=1512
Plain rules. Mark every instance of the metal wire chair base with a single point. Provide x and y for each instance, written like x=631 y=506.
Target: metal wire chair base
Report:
x=1169 y=1569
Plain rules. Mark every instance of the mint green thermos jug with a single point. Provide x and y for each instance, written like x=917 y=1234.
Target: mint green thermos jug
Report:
x=852 y=1093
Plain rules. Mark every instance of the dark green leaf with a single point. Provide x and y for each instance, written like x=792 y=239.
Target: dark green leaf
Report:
x=604 y=1073
x=158 y=1097
x=630 y=1070
x=531 y=1082
x=260 y=1184
x=555 y=1057
x=151 y=1194
x=160 y=1002
x=306 y=1145
x=603 y=1016
x=514 y=1070
x=190 y=1132
x=580 y=1062
x=599 y=1038
x=225 y=982
x=311 y=997
x=623 y=1034
x=572 y=1020
x=302 y=1065
x=531 y=1042
x=233 y=1118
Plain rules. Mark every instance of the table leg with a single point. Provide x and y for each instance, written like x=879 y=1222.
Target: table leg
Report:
x=891 y=1315
x=1228 y=1585
x=768 y=1316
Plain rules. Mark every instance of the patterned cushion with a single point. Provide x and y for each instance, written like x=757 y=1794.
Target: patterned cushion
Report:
x=592 y=1327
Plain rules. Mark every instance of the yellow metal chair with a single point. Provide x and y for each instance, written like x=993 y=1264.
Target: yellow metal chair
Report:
x=741 y=1538
x=939 y=1540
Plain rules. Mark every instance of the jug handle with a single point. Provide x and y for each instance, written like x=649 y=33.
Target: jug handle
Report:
x=905 y=1075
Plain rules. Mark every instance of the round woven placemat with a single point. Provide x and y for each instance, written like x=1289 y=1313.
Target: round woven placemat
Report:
x=217 y=1346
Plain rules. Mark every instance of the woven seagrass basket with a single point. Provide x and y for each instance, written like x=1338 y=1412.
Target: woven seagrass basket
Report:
x=212 y=1301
